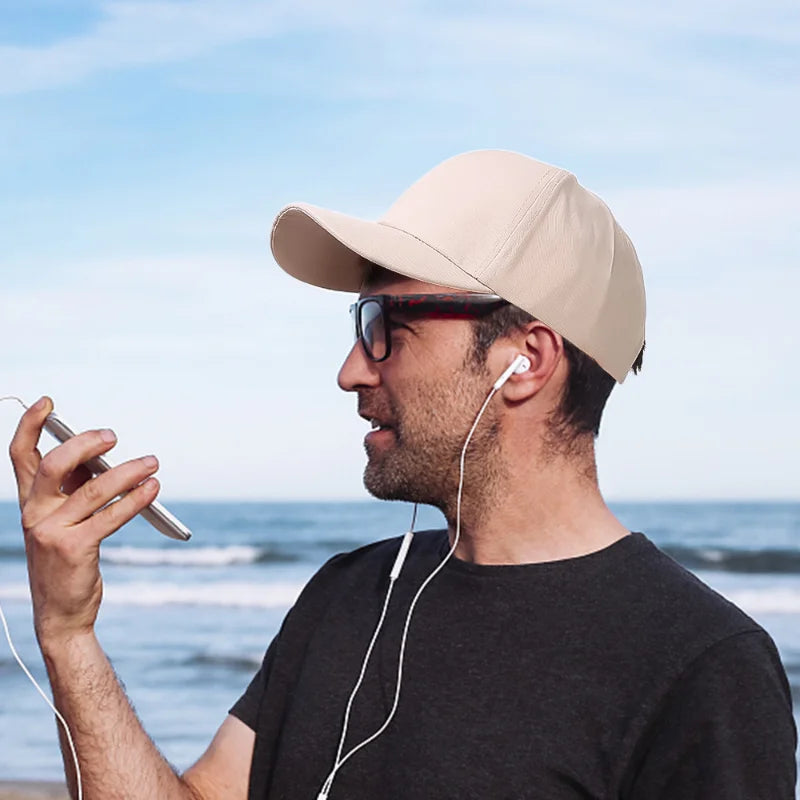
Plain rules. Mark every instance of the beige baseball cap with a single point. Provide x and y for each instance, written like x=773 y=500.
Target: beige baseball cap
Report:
x=490 y=221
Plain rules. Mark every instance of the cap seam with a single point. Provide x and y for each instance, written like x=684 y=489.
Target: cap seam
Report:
x=531 y=216
x=546 y=182
x=281 y=214
x=435 y=250
x=316 y=221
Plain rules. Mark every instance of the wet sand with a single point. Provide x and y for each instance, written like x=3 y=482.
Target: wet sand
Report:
x=32 y=790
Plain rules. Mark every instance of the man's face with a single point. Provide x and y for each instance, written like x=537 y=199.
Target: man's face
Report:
x=424 y=397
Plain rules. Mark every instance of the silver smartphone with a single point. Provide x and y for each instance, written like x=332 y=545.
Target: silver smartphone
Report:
x=158 y=516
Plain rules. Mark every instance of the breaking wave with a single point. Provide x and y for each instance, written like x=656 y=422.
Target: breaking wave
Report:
x=193 y=557
x=239 y=595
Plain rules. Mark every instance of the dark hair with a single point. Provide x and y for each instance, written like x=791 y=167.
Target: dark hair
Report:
x=586 y=388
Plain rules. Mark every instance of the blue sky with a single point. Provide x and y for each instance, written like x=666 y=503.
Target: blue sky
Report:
x=146 y=146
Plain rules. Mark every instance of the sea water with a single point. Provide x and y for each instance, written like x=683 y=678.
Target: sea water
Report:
x=186 y=624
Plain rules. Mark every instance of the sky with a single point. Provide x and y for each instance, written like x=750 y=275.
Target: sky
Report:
x=145 y=148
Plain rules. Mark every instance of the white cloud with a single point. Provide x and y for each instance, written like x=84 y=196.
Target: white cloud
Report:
x=713 y=234
x=776 y=20
x=524 y=35
x=713 y=412
x=135 y=33
x=217 y=367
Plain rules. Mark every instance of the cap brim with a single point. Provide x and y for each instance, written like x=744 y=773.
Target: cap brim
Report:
x=329 y=249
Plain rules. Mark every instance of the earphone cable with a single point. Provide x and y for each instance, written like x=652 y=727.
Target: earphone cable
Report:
x=47 y=700
x=403 y=550
x=323 y=795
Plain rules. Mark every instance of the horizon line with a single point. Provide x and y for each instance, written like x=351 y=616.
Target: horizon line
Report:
x=372 y=500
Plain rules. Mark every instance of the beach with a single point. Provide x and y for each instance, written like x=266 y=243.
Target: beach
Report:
x=32 y=790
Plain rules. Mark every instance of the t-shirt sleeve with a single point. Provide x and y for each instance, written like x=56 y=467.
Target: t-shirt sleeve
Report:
x=726 y=729
x=297 y=625
x=247 y=706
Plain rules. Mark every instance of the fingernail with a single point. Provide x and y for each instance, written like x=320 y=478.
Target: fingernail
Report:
x=150 y=461
x=108 y=435
x=40 y=403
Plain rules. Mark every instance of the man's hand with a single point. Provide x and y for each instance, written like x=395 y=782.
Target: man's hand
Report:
x=65 y=515
x=63 y=522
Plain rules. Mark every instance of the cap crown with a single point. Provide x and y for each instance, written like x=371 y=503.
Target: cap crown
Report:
x=532 y=234
x=489 y=221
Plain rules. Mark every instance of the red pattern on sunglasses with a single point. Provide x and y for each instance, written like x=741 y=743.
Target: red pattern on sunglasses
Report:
x=439 y=306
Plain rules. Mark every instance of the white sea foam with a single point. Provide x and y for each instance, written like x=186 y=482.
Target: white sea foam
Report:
x=780 y=600
x=281 y=594
x=240 y=595
x=189 y=557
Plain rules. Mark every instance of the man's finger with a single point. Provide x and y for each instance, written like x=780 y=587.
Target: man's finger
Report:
x=115 y=515
x=25 y=457
x=66 y=458
x=76 y=479
x=99 y=491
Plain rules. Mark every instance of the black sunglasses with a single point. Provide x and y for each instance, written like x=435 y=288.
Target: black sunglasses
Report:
x=372 y=321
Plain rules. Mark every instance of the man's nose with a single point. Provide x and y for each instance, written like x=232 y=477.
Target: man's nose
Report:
x=358 y=370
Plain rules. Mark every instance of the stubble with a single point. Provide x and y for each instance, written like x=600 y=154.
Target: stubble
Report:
x=421 y=462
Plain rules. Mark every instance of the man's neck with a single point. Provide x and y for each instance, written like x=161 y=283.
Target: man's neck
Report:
x=548 y=513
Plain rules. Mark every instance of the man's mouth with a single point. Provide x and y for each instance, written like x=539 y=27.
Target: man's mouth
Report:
x=380 y=429
x=377 y=425
x=382 y=418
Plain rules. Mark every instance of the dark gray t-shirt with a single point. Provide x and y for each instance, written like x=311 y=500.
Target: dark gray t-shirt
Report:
x=612 y=675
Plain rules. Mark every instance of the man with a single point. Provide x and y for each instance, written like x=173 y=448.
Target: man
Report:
x=551 y=653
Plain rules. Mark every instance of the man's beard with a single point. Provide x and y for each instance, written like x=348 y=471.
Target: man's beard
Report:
x=421 y=463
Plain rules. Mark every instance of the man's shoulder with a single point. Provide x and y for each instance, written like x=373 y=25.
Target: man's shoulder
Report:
x=671 y=602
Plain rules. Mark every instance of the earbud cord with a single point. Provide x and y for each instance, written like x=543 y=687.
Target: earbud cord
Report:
x=326 y=787
x=392 y=579
x=33 y=680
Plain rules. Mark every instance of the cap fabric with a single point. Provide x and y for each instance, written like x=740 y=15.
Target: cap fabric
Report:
x=490 y=221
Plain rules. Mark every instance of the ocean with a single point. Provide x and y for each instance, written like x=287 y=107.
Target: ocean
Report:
x=186 y=624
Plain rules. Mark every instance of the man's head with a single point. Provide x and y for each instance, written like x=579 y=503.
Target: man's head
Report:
x=422 y=398
x=495 y=223
x=424 y=374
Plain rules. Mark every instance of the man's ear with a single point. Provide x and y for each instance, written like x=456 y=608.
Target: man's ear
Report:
x=544 y=348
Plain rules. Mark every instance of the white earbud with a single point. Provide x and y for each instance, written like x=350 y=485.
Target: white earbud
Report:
x=519 y=365
x=523 y=364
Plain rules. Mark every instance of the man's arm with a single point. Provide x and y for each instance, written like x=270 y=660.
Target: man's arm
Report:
x=65 y=516
x=224 y=769
x=116 y=756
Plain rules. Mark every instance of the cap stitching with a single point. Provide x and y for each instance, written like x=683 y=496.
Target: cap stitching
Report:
x=281 y=214
x=546 y=179
x=435 y=250
x=358 y=251
x=308 y=215
x=530 y=216
x=546 y=182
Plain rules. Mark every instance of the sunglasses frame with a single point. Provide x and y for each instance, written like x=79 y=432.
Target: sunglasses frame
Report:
x=436 y=306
